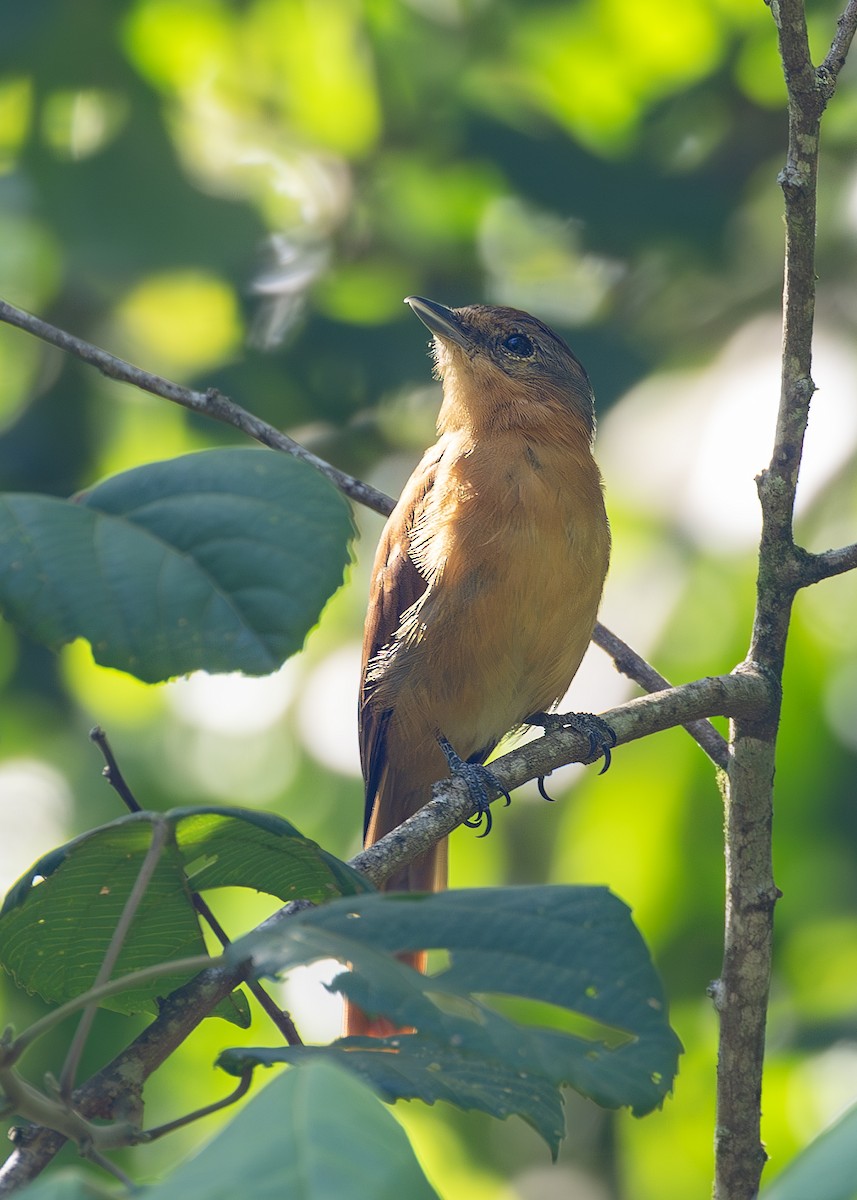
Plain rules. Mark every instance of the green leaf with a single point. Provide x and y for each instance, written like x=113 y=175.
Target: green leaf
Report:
x=220 y=560
x=235 y=847
x=57 y=920
x=575 y=948
x=825 y=1170
x=428 y=1068
x=69 y=1183
x=312 y=1134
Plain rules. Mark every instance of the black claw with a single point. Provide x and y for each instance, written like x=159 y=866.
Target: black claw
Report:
x=543 y=790
x=607 y=746
x=475 y=821
x=606 y=743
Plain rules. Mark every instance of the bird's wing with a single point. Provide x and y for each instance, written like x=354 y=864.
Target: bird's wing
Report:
x=396 y=585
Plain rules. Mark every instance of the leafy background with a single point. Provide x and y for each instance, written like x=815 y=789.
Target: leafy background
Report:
x=239 y=195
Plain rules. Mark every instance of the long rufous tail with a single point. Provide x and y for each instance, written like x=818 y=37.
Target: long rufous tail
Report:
x=426 y=874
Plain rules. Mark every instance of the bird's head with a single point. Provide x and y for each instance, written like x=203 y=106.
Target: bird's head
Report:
x=503 y=367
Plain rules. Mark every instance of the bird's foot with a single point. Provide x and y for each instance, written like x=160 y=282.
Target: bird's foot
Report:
x=602 y=738
x=479 y=782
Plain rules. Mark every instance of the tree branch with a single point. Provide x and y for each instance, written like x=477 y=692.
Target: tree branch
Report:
x=211 y=403
x=113 y=774
x=743 y=692
x=110 y=1087
x=846 y=27
x=816 y=567
x=629 y=662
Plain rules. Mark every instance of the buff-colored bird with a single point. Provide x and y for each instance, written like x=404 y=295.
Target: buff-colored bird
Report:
x=489 y=572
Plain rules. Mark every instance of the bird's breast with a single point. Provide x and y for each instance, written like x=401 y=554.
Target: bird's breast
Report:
x=514 y=544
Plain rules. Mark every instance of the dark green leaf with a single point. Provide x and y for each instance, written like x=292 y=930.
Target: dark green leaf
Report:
x=219 y=560
x=57 y=920
x=312 y=1134
x=429 y=1069
x=575 y=948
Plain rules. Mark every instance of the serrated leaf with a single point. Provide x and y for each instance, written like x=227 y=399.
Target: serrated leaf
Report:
x=219 y=560
x=57 y=920
x=429 y=1069
x=312 y=1134
x=573 y=947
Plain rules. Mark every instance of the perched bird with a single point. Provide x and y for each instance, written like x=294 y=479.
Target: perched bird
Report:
x=489 y=572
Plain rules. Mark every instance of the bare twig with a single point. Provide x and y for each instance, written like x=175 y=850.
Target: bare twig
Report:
x=816 y=567
x=150 y=1135
x=102 y=1161
x=111 y=771
x=629 y=662
x=280 y=1018
x=835 y=58
x=208 y=404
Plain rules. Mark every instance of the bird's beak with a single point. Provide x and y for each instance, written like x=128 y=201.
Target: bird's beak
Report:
x=441 y=321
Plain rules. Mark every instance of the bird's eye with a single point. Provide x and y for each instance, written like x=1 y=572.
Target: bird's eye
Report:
x=519 y=345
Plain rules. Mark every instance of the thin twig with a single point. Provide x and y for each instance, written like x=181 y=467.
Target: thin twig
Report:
x=846 y=27
x=111 y=771
x=160 y=836
x=209 y=404
x=113 y=774
x=816 y=567
x=280 y=1018
x=150 y=1135
x=628 y=662
x=102 y=1161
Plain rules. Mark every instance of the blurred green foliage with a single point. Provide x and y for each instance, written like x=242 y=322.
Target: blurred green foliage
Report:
x=239 y=193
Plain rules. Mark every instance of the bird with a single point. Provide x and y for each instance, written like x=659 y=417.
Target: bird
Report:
x=488 y=574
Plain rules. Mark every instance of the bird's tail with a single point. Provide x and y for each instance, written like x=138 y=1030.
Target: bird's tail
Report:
x=425 y=874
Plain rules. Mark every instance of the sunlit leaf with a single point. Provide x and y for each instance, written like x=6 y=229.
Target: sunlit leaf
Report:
x=57 y=921
x=314 y=1133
